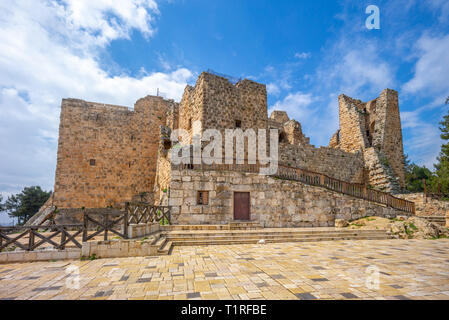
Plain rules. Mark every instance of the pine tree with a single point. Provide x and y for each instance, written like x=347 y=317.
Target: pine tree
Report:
x=25 y=204
x=442 y=166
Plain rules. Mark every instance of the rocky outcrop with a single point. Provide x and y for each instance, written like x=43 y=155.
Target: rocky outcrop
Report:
x=417 y=228
x=341 y=223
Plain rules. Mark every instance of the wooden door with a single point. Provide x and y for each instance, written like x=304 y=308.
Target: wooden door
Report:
x=241 y=206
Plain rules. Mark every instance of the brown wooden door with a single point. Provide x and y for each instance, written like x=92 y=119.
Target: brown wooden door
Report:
x=241 y=206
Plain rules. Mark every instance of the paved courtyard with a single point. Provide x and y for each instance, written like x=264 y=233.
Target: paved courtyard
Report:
x=385 y=269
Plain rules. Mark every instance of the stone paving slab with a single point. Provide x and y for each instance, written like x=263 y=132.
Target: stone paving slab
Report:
x=406 y=269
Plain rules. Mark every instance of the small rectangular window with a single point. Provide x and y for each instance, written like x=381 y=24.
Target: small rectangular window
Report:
x=189 y=125
x=92 y=162
x=238 y=123
x=202 y=198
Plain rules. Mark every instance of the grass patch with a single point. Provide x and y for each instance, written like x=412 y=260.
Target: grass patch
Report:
x=91 y=258
x=357 y=225
x=413 y=227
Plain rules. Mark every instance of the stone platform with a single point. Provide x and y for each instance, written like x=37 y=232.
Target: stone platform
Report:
x=406 y=269
x=218 y=235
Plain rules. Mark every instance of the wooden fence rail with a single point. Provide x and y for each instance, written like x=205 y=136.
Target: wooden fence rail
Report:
x=30 y=238
x=139 y=212
x=352 y=189
x=104 y=223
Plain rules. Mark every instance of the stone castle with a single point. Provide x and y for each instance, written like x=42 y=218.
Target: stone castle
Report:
x=108 y=155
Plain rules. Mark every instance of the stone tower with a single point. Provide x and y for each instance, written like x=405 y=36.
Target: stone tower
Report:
x=374 y=128
x=107 y=154
x=219 y=104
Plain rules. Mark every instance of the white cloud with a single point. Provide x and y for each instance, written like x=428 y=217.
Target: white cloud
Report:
x=273 y=89
x=422 y=143
x=432 y=67
x=359 y=71
x=442 y=7
x=303 y=55
x=318 y=122
x=296 y=105
x=49 y=51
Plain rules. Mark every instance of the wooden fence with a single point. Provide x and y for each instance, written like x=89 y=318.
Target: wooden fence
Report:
x=352 y=189
x=139 y=212
x=432 y=195
x=314 y=179
x=29 y=238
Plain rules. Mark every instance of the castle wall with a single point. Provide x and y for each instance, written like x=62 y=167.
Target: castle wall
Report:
x=224 y=103
x=273 y=202
x=190 y=107
x=352 y=124
x=388 y=136
x=374 y=128
x=334 y=163
x=106 y=154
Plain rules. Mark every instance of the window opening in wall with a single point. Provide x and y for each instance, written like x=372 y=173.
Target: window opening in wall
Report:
x=202 y=198
x=92 y=162
x=282 y=138
x=238 y=123
x=189 y=125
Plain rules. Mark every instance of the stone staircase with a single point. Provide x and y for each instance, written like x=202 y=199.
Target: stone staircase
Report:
x=216 y=235
x=381 y=175
x=441 y=220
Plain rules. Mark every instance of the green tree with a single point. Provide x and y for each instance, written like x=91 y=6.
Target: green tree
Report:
x=25 y=204
x=415 y=174
x=442 y=165
x=1 y=203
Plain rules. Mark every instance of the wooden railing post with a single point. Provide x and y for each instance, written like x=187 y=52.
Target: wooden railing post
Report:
x=125 y=220
x=31 y=239
x=106 y=224
x=85 y=224
x=63 y=238
x=425 y=190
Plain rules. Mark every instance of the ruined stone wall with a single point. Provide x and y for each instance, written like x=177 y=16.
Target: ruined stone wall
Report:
x=224 y=103
x=427 y=206
x=352 y=124
x=106 y=154
x=388 y=132
x=190 y=108
x=334 y=163
x=374 y=128
x=163 y=170
x=273 y=202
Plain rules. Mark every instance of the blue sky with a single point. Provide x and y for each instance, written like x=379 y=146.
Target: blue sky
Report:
x=307 y=52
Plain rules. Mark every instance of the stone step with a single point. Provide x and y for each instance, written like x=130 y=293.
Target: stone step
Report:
x=231 y=226
x=277 y=238
x=271 y=236
x=160 y=241
x=260 y=234
x=273 y=240
x=195 y=227
x=165 y=248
